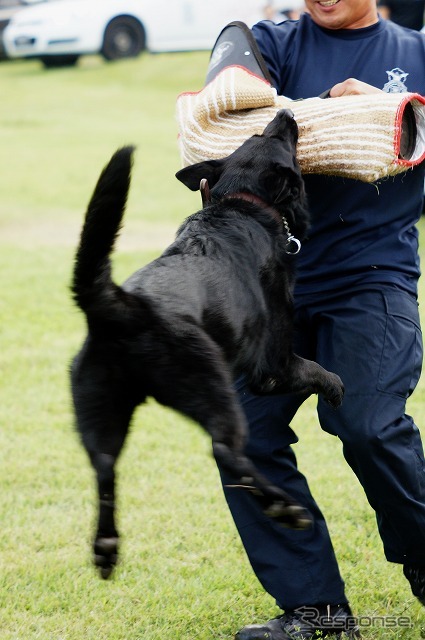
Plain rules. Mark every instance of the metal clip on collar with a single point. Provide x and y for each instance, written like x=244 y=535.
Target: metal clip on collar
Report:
x=293 y=245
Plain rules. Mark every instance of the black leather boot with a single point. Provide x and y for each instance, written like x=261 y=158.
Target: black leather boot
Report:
x=305 y=623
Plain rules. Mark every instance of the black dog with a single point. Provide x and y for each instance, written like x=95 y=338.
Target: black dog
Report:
x=216 y=304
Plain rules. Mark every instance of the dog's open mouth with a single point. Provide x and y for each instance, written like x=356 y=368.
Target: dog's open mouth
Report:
x=249 y=197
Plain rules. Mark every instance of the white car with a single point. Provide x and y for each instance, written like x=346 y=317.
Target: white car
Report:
x=59 y=31
x=7 y=9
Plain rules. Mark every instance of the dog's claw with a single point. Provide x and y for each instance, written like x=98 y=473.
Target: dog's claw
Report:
x=105 y=572
x=293 y=515
x=106 y=555
x=336 y=395
x=335 y=403
x=282 y=510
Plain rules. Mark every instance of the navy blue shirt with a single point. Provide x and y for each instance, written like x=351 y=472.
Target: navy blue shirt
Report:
x=361 y=234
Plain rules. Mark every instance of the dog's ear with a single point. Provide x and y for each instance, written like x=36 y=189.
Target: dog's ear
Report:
x=290 y=186
x=191 y=176
x=283 y=183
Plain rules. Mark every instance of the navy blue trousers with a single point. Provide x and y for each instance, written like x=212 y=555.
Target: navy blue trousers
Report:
x=372 y=339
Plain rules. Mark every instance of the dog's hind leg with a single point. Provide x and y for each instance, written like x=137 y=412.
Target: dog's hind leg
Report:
x=201 y=388
x=103 y=418
x=103 y=451
x=105 y=546
x=275 y=503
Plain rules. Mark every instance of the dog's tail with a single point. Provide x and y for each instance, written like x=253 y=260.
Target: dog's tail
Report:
x=93 y=289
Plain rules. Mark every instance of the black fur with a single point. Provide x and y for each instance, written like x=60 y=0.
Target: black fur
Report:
x=216 y=304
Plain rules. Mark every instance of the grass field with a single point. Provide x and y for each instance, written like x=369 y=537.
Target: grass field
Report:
x=183 y=573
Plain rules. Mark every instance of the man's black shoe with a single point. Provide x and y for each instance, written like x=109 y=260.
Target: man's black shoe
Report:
x=416 y=577
x=305 y=623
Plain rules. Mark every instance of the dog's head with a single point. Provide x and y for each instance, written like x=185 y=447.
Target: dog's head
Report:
x=264 y=166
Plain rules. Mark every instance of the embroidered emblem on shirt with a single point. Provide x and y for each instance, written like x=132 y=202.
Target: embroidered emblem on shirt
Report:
x=396 y=78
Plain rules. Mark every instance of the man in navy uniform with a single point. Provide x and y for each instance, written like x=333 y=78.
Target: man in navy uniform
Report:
x=357 y=315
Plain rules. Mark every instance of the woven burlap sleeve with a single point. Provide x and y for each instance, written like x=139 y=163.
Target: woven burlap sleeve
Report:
x=354 y=136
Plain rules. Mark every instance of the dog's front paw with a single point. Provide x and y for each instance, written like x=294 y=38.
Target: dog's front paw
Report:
x=105 y=555
x=335 y=392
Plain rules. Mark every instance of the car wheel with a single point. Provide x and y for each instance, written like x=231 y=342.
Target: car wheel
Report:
x=50 y=62
x=124 y=38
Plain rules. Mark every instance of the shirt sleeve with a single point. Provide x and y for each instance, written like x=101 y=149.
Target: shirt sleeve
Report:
x=268 y=47
x=276 y=43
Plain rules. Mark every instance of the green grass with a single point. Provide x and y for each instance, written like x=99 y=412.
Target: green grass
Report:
x=183 y=573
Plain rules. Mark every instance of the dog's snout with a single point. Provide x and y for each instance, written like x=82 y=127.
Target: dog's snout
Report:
x=283 y=121
x=287 y=113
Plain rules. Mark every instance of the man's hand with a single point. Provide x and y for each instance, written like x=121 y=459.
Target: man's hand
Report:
x=352 y=87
